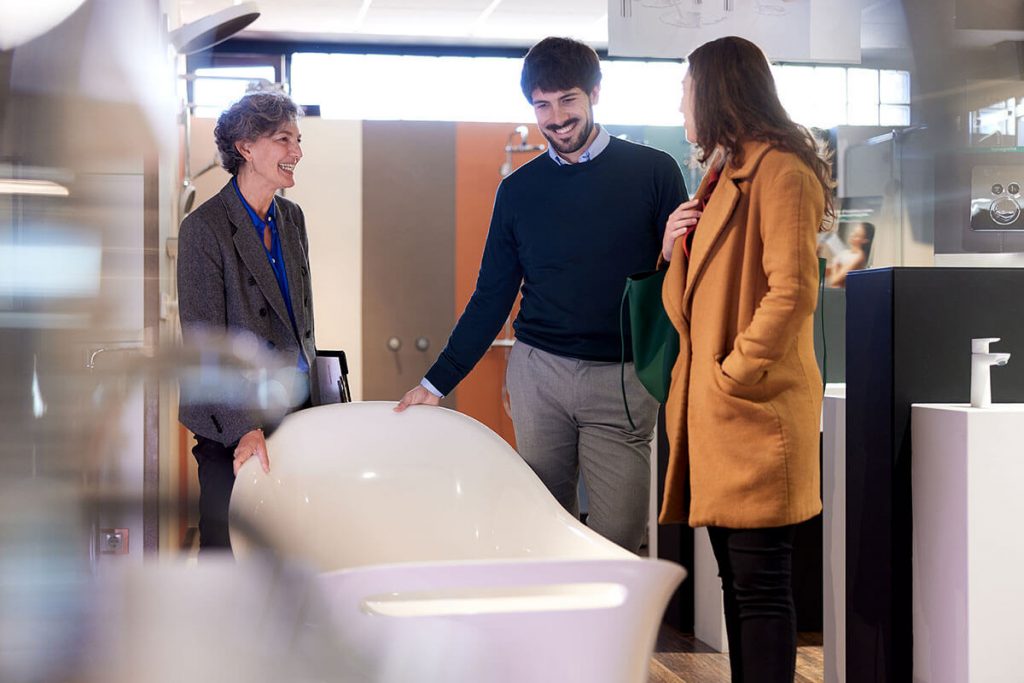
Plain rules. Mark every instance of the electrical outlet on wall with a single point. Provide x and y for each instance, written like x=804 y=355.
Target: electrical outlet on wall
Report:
x=113 y=541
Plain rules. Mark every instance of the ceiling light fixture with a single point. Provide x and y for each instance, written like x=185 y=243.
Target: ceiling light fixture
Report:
x=21 y=186
x=489 y=11
x=361 y=16
x=482 y=19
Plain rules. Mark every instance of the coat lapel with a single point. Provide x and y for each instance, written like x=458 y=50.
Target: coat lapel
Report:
x=676 y=278
x=712 y=224
x=717 y=215
x=252 y=253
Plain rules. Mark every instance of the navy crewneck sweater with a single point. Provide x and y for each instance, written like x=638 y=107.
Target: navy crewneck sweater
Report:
x=569 y=236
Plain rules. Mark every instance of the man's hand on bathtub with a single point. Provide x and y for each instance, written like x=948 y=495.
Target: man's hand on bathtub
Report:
x=416 y=396
x=249 y=445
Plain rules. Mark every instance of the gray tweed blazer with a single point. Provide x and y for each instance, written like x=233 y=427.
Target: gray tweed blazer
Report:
x=225 y=282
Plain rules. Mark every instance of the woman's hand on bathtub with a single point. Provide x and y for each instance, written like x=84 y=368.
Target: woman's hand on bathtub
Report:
x=253 y=443
x=416 y=396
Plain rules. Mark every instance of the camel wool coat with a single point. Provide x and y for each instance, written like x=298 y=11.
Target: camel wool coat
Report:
x=745 y=400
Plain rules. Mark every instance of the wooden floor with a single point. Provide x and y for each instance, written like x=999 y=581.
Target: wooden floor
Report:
x=681 y=658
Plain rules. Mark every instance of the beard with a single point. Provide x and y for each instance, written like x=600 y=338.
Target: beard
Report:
x=576 y=142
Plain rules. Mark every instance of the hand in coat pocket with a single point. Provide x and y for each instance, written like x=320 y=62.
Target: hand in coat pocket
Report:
x=734 y=387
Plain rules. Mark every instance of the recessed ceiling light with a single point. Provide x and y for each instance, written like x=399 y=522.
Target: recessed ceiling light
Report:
x=32 y=187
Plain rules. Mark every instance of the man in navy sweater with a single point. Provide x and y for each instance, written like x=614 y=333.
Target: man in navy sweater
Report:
x=568 y=228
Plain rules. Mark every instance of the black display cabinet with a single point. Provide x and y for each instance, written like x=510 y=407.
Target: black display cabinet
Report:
x=908 y=340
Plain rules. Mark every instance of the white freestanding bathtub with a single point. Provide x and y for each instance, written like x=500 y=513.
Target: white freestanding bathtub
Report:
x=443 y=556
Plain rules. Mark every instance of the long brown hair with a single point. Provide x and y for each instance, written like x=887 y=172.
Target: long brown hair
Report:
x=735 y=101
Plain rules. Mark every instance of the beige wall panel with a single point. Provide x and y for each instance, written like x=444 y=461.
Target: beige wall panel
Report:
x=408 y=250
x=329 y=188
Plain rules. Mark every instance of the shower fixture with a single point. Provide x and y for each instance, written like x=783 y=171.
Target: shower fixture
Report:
x=524 y=133
x=188 y=188
x=193 y=37
x=517 y=143
x=213 y=29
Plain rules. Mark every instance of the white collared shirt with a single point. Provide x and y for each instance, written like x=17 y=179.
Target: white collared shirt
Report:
x=596 y=147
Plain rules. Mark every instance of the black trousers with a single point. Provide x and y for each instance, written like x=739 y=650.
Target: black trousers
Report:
x=216 y=478
x=756 y=566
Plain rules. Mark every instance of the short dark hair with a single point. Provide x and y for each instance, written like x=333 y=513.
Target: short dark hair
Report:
x=255 y=115
x=560 y=64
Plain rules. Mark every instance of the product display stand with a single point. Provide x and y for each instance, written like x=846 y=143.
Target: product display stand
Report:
x=966 y=478
x=908 y=340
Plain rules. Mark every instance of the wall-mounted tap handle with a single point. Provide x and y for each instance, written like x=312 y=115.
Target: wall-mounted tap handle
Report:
x=91 y=363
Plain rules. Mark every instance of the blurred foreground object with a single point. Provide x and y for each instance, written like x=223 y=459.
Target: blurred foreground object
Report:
x=22 y=21
x=65 y=615
x=60 y=620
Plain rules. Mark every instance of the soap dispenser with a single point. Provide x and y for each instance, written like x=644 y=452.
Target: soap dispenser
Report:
x=981 y=378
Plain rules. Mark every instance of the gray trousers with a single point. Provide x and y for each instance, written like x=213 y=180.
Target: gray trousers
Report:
x=569 y=417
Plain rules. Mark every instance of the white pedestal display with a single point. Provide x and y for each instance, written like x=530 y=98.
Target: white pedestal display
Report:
x=833 y=484
x=967 y=470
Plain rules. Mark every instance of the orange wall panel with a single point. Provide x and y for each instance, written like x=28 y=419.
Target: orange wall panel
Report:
x=479 y=154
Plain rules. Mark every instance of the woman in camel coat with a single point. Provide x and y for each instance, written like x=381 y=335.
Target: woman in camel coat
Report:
x=745 y=399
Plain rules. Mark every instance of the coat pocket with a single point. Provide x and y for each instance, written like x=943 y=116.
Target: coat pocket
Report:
x=731 y=387
x=740 y=438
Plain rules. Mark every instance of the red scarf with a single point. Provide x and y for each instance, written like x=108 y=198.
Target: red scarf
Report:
x=713 y=175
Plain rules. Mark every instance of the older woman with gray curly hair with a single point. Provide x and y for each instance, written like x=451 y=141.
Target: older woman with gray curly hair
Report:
x=244 y=267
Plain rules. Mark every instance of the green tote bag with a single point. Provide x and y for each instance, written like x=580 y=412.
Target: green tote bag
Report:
x=655 y=340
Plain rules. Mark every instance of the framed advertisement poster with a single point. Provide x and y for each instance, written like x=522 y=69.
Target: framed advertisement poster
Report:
x=848 y=247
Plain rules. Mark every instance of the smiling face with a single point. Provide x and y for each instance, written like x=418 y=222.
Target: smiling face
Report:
x=270 y=160
x=566 y=119
x=687 y=109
